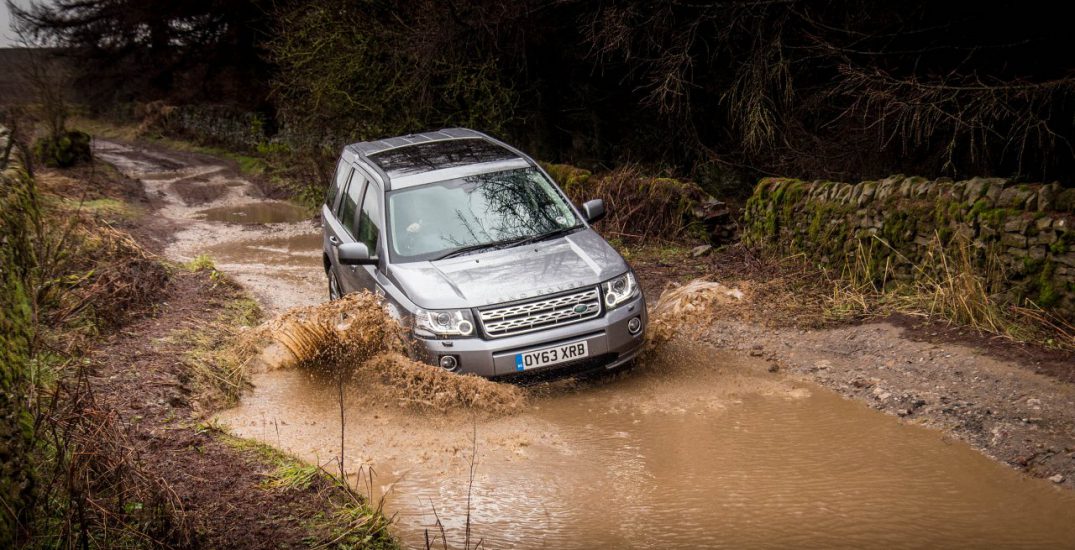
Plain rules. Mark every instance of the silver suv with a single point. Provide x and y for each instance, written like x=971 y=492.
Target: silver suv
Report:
x=473 y=246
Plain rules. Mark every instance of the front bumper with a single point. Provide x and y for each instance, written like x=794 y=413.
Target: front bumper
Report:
x=609 y=342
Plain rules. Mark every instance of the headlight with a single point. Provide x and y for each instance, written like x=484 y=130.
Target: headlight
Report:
x=619 y=290
x=443 y=323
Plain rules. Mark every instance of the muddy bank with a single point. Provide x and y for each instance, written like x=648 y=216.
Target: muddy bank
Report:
x=702 y=448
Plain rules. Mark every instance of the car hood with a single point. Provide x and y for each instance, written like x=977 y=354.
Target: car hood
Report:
x=580 y=259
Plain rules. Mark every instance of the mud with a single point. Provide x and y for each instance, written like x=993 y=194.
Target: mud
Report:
x=204 y=207
x=704 y=448
x=258 y=212
x=354 y=341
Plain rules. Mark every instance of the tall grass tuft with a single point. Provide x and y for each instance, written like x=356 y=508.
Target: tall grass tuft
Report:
x=951 y=284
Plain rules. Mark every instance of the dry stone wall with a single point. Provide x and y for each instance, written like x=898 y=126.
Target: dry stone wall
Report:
x=1017 y=238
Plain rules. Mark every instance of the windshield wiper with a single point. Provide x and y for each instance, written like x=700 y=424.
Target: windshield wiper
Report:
x=545 y=236
x=475 y=247
x=506 y=243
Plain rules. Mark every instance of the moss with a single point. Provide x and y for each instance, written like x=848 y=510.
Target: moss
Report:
x=1031 y=266
x=980 y=205
x=1047 y=293
x=996 y=217
x=1062 y=244
x=570 y=178
x=63 y=151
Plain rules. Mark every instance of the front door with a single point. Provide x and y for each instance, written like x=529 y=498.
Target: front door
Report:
x=361 y=220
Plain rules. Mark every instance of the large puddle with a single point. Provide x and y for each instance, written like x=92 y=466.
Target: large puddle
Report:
x=257 y=212
x=301 y=250
x=705 y=449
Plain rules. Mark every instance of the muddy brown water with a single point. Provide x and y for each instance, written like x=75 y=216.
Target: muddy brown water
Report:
x=302 y=250
x=702 y=449
x=258 y=212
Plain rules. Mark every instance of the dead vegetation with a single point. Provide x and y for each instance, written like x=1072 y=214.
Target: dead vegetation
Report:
x=94 y=490
x=946 y=286
x=641 y=207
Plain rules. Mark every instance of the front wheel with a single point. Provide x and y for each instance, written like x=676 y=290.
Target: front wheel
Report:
x=333 y=286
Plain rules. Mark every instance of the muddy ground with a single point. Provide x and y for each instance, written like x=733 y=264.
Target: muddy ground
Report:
x=142 y=372
x=1013 y=403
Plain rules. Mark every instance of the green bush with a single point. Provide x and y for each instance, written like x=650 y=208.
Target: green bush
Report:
x=69 y=149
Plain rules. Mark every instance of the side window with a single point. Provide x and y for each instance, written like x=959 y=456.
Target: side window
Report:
x=343 y=171
x=369 y=222
x=349 y=204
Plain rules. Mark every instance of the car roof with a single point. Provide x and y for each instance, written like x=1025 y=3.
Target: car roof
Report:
x=436 y=156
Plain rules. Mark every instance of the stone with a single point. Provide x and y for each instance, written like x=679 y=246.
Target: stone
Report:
x=1013 y=197
x=1045 y=237
x=1017 y=252
x=1066 y=259
x=1058 y=478
x=1017 y=225
x=1031 y=202
x=973 y=190
x=1043 y=223
x=1017 y=240
x=994 y=192
x=1047 y=196
x=1036 y=253
x=904 y=189
x=853 y=196
x=701 y=250
x=867 y=193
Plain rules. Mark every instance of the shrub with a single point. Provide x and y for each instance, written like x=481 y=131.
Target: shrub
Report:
x=68 y=149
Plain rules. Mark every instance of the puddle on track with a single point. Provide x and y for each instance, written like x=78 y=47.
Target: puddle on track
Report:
x=255 y=213
x=707 y=450
x=302 y=250
x=278 y=263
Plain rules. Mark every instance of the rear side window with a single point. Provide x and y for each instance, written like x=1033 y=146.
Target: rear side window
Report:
x=349 y=205
x=368 y=225
x=343 y=171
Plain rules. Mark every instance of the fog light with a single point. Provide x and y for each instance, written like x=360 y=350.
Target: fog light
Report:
x=449 y=362
x=634 y=325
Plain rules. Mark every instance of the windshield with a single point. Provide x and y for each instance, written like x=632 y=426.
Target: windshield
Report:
x=433 y=220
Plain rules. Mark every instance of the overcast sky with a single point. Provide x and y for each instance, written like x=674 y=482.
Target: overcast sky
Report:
x=7 y=36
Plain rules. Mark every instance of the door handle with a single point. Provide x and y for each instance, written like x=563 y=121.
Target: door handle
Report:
x=333 y=240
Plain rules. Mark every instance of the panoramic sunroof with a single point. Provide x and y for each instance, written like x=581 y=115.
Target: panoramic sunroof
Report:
x=436 y=155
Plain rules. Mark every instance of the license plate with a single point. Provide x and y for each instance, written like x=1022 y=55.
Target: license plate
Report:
x=551 y=356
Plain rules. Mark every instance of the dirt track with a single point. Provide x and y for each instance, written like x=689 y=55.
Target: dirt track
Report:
x=997 y=405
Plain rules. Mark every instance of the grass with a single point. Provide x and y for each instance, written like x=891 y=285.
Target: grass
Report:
x=347 y=522
x=111 y=209
x=219 y=372
x=945 y=286
x=248 y=164
x=203 y=262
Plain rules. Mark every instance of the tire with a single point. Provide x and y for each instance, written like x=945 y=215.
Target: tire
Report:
x=334 y=292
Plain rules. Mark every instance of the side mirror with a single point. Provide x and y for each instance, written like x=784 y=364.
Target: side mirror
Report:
x=593 y=210
x=354 y=254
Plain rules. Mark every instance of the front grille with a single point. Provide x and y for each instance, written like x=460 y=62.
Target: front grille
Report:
x=540 y=314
